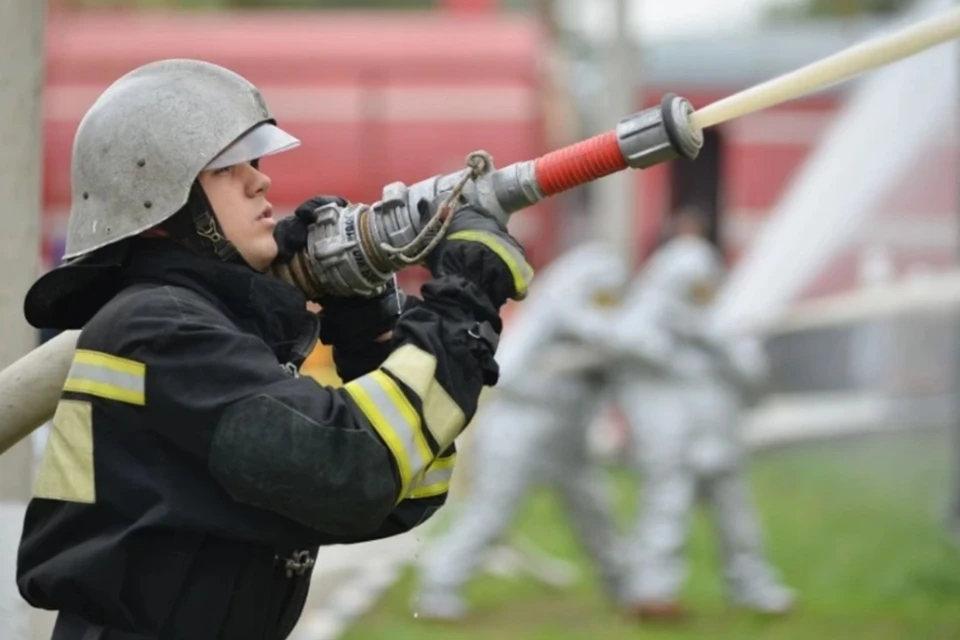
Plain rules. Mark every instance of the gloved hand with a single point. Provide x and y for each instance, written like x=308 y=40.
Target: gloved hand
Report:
x=355 y=321
x=353 y=325
x=478 y=248
x=292 y=265
x=291 y=232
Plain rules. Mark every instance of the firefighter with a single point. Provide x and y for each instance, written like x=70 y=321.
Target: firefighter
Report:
x=534 y=429
x=682 y=395
x=191 y=473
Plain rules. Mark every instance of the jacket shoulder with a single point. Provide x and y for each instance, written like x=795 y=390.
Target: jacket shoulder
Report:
x=145 y=314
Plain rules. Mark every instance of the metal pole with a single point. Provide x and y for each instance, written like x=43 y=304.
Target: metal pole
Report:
x=21 y=82
x=953 y=508
x=618 y=203
x=558 y=103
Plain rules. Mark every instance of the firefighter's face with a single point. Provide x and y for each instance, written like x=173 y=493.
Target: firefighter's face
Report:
x=238 y=195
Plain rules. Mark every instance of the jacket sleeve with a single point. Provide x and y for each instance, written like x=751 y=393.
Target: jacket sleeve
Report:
x=354 y=361
x=421 y=504
x=349 y=462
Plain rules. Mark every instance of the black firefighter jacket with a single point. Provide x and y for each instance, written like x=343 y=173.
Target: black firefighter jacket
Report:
x=191 y=473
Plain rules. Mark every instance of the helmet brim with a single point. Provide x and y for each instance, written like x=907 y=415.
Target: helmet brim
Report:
x=263 y=140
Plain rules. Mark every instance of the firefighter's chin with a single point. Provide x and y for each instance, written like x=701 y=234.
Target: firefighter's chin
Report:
x=258 y=250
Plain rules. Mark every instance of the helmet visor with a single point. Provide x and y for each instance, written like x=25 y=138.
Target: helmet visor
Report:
x=263 y=140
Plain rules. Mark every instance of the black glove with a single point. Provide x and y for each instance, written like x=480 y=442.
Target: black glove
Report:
x=356 y=321
x=291 y=232
x=478 y=248
x=355 y=352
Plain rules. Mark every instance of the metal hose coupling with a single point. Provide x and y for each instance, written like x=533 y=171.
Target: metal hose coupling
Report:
x=355 y=250
x=660 y=134
x=340 y=257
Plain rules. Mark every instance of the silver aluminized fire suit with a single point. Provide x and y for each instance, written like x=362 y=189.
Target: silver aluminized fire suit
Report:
x=682 y=393
x=534 y=429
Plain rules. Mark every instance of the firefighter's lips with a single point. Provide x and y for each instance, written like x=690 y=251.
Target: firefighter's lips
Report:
x=267 y=214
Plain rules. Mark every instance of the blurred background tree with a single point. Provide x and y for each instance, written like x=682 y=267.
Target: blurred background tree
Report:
x=273 y=4
x=336 y=4
x=800 y=9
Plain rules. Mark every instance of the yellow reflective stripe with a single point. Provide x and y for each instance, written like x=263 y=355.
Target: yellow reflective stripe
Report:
x=102 y=390
x=416 y=368
x=107 y=376
x=520 y=269
x=445 y=463
x=393 y=417
x=436 y=481
x=67 y=472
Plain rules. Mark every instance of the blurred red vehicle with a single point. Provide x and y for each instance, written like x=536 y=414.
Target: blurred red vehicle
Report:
x=374 y=98
x=405 y=95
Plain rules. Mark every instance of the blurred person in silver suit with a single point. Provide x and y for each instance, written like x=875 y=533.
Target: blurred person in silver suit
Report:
x=682 y=389
x=533 y=430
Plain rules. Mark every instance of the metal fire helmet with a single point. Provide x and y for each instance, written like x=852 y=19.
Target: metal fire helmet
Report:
x=145 y=140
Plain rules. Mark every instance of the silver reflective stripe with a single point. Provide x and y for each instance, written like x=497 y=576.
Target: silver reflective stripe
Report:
x=436 y=481
x=394 y=418
x=107 y=376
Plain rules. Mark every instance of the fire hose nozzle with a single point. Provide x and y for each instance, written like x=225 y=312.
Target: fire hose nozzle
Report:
x=660 y=134
x=355 y=250
x=650 y=137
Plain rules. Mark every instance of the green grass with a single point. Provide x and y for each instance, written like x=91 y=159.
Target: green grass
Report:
x=855 y=527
